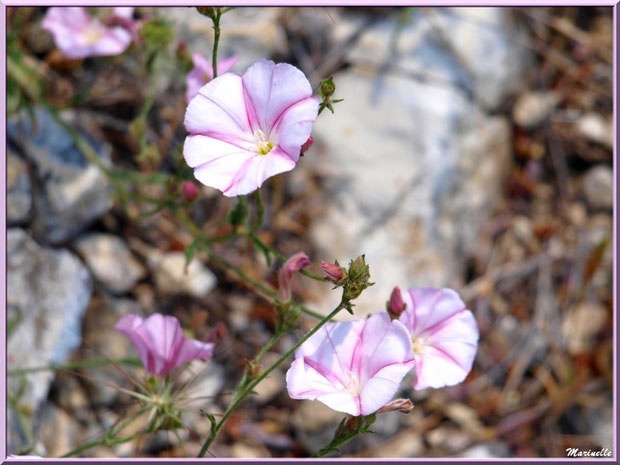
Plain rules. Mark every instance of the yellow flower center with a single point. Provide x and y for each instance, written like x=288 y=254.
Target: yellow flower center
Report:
x=93 y=35
x=263 y=145
x=353 y=386
x=418 y=344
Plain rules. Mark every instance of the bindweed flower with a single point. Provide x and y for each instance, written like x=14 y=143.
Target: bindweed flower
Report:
x=335 y=273
x=160 y=342
x=245 y=129
x=202 y=72
x=78 y=35
x=395 y=305
x=352 y=366
x=444 y=335
x=285 y=275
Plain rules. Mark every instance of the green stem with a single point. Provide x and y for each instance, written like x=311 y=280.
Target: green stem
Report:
x=216 y=40
x=260 y=213
x=109 y=439
x=238 y=399
x=133 y=361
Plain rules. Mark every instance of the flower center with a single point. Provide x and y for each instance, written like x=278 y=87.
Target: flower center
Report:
x=263 y=145
x=93 y=35
x=353 y=386
x=418 y=344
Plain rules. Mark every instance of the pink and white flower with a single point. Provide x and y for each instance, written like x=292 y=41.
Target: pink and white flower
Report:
x=160 y=342
x=202 y=72
x=245 y=129
x=444 y=335
x=353 y=367
x=78 y=35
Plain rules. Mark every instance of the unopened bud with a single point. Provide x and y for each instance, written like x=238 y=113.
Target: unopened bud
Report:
x=292 y=266
x=357 y=279
x=333 y=271
x=327 y=87
x=396 y=305
x=209 y=11
x=307 y=144
x=189 y=191
x=401 y=405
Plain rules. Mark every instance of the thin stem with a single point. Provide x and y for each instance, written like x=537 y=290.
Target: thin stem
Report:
x=216 y=39
x=260 y=212
x=108 y=439
x=133 y=361
x=238 y=399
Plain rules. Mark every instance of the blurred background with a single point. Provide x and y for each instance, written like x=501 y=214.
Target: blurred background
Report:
x=473 y=150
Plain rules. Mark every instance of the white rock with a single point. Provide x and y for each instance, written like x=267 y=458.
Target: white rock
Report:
x=598 y=186
x=596 y=128
x=532 y=108
x=110 y=261
x=172 y=277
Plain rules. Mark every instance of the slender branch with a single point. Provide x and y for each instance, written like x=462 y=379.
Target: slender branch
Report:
x=216 y=39
x=81 y=364
x=238 y=399
x=260 y=212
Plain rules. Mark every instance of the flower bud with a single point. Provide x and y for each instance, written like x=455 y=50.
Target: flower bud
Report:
x=189 y=191
x=396 y=305
x=334 y=271
x=357 y=279
x=209 y=11
x=292 y=266
x=307 y=145
x=327 y=87
x=402 y=405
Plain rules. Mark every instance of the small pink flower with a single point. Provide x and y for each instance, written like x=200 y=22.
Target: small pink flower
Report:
x=290 y=267
x=78 y=35
x=202 y=72
x=444 y=335
x=396 y=304
x=400 y=405
x=245 y=129
x=333 y=271
x=160 y=342
x=353 y=367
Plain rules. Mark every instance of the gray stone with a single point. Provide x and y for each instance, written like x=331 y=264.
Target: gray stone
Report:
x=598 y=186
x=249 y=32
x=596 y=128
x=172 y=276
x=47 y=291
x=415 y=169
x=71 y=192
x=18 y=191
x=110 y=261
x=475 y=50
x=532 y=108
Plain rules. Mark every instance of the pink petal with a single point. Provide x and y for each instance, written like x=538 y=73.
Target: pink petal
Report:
x=384 y=343
x=429 y=306
x=305 y=382
x=226 y=64
x=293 y=128
x=222 y=172
x=257 y=170
x=192 y=349
x=380 y=389
x=219 y=111
x=449 y=353
x=114 y=42
x=127 y=325
x=272 y=89
x=199 y=149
